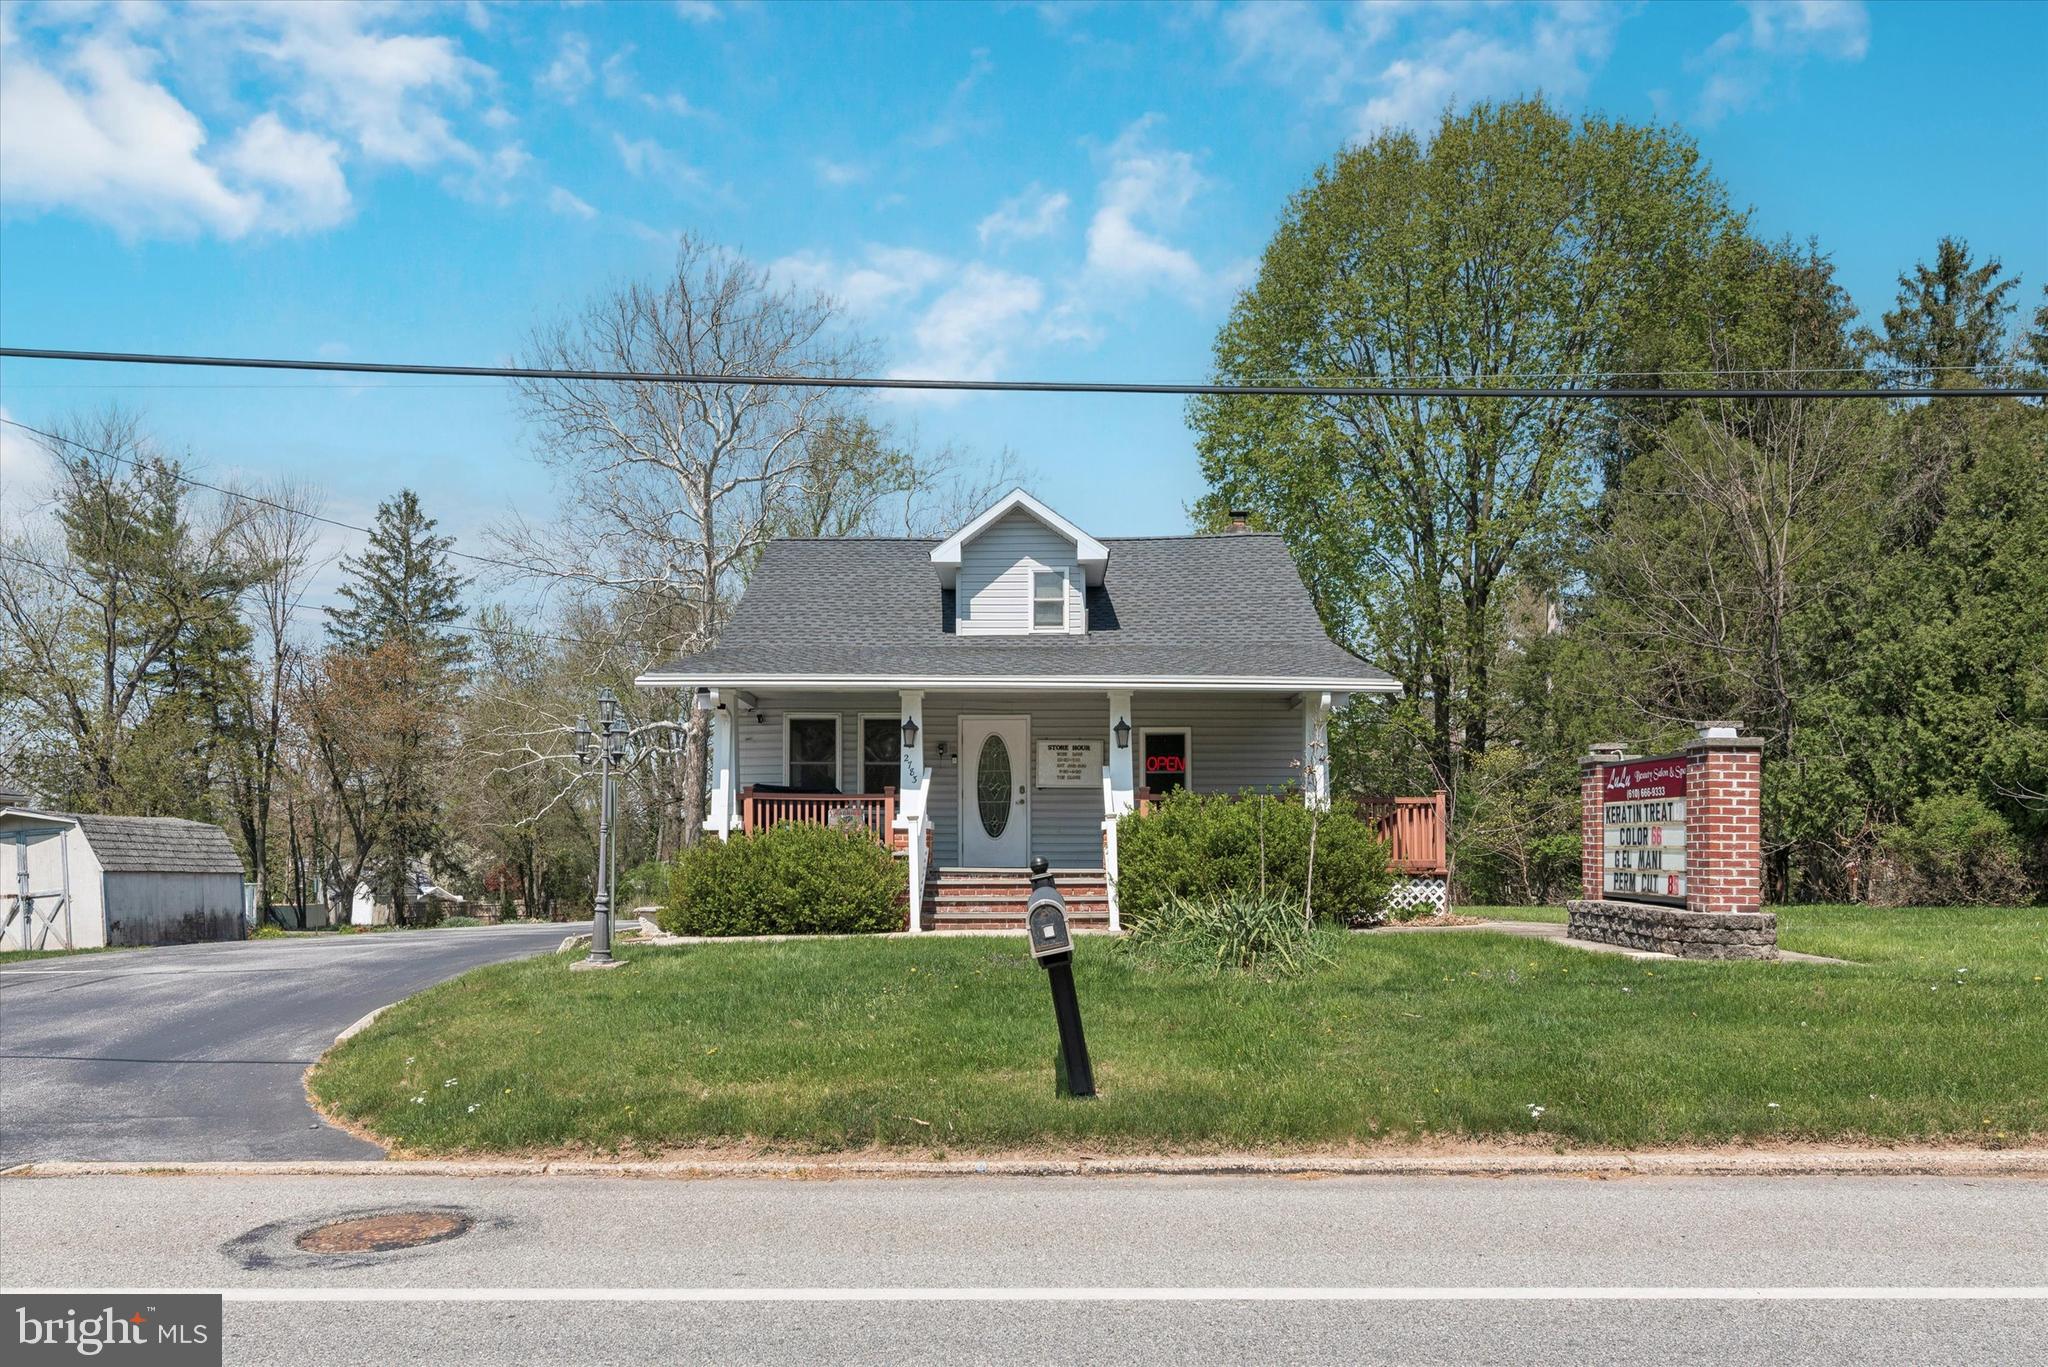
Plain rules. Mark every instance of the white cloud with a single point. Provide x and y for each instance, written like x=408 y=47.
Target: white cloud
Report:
x=1145 y=191
x=1033 y=213
x=969 y=330
x=1402 y=64
x=698 y=11
x=569 y=74
x=302 y=169
x=620 y=83
x=1556 y=55
x=568 y=205
x=385 y=91
x=103 y=137
x=882 y=278
x=838 y=173
x=1746 y=64
x=27 y=472
x=646 y=157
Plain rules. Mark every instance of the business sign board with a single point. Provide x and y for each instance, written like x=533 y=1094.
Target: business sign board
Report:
x=1070 y=764
x=1643 y=812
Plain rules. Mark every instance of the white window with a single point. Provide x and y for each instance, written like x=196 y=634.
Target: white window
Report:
x=1049 y=600
x=810 y=753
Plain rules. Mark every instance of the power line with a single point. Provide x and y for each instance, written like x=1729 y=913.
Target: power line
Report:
x=329 y=610
x=1880 y=372
x=246 y=497
x=799 y=381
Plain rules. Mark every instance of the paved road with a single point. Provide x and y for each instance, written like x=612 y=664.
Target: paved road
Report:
x=198 y=1051
x=1477 y=1270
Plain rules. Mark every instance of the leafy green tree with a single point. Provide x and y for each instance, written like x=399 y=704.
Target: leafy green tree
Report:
x=403 y=598
x=1512 y=243
x=118 y=627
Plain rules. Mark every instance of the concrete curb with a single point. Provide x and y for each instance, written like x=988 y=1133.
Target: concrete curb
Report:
x=1677 y=1163
x=362 y=1023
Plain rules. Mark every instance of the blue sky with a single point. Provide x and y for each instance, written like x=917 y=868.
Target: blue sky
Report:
x=1068 y=191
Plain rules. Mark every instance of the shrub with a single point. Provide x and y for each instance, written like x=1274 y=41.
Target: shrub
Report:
x=267 y=932
x=786 y=880
x=1234 y=932
x=644 y=883
x=1195 y=846
x=1950 y=851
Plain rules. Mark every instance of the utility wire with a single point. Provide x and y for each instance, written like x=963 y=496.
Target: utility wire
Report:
x=1879 y=372
x=799 y=381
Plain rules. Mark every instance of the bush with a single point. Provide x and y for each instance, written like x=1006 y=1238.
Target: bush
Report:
x=267 y=932
x=644 y=883
x=1199 y=847
x=1950 y=851
x=786 y=880
x=1234 y=932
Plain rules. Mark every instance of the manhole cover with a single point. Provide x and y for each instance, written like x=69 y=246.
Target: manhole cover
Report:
x=383 y=1233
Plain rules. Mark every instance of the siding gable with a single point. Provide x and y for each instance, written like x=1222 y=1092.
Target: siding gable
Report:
x=994 y=595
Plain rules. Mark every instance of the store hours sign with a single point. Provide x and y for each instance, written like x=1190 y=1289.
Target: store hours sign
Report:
x=1643 y=811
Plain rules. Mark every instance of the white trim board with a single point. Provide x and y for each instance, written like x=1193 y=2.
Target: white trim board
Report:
x=1027 y=683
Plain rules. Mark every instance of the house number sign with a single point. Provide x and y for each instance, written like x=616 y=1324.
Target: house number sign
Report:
x=1643 y=810
x=1069 y=763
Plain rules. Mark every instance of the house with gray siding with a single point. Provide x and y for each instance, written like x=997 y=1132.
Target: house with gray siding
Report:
x=1009 y=692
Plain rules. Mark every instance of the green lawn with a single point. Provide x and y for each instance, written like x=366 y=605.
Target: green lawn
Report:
x=1939 y=1031
x=15 y=956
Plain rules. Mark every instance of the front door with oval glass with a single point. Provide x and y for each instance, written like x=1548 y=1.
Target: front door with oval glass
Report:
x=995 y=792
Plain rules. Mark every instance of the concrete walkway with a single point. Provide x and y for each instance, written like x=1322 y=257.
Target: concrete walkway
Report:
x=1555 y=932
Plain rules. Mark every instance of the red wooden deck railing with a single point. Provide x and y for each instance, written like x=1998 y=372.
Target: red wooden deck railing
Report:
x=873 y=812
x=1414 y=828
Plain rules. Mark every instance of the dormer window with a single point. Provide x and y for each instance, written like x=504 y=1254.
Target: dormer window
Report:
x=1049 y=600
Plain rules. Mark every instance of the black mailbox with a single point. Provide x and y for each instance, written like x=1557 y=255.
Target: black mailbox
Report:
x=1052 y=945
x=1046 y=918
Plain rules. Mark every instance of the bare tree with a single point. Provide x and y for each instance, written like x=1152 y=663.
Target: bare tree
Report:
x=668 y=490
x=279 y=539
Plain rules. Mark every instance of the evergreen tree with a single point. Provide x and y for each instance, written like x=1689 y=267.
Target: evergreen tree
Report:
x=1952 y=316
x=403 y=600
x=402 y=590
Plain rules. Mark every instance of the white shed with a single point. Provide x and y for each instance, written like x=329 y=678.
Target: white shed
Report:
x=74 y=881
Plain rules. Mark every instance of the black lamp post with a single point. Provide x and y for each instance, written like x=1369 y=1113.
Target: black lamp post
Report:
x=604 y=747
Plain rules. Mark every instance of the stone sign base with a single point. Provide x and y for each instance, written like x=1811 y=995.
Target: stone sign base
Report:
x=1674 y=930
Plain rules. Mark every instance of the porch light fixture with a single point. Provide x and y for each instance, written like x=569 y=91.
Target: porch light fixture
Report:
x=910 y=733
x=1123 y=733
x=704 y=700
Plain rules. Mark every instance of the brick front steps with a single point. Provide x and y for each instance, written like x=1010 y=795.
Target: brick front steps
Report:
x=994 y=899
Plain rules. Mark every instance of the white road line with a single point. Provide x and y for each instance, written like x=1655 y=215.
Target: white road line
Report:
x=829 y=1294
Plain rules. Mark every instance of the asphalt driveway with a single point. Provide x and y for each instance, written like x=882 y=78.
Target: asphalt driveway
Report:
x=199 y=1051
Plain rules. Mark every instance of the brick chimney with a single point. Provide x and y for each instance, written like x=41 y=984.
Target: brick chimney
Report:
x=1240 y=520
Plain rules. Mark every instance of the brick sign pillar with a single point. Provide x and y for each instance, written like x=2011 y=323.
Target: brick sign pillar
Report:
x=1670 y=857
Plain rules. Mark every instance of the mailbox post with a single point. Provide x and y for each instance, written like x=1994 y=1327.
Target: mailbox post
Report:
x=1052 y=945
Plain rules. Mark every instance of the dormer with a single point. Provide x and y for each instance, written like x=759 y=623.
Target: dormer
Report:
x=1019 y=569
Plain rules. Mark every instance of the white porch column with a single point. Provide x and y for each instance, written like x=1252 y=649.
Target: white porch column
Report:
x=912 y=786
x=1315 y=750
x=718 y=816
x=1119 y=793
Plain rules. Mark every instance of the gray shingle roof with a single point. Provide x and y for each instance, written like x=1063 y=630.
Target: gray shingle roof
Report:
x=158 y=844
x=1189 y=607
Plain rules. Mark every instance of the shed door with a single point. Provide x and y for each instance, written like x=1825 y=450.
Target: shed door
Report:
x=995 y=790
